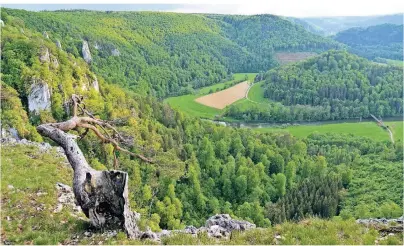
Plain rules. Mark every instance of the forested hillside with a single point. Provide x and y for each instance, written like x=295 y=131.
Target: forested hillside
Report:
x=335 y=85
x=199 y=168
x=385 y=41
x=167 y=53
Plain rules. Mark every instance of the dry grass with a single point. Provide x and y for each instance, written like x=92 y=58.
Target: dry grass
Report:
x=226 y=97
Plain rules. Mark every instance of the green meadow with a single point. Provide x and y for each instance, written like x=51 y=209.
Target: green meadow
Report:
x=365 y=129
x=256 y=93
x=188 y=105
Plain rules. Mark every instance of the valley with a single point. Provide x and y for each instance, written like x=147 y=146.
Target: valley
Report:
x=189 y=104
x=169 y=120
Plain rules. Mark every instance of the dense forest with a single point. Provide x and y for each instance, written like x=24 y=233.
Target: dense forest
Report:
x=384 y=41
x=164 y=54
x=334 y=85
x=201 y=168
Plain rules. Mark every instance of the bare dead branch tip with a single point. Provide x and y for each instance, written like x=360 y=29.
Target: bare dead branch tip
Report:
x=88 y=121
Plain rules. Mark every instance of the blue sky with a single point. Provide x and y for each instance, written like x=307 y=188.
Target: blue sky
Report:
x=296 y=8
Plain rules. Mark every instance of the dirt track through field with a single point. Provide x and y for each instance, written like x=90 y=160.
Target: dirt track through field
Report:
x=226 y=97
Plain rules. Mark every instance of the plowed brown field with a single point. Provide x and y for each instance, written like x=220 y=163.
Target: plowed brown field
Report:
x=226 y=97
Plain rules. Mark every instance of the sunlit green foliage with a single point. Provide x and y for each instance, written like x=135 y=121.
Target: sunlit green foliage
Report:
x=164 y=54
x=334 y=85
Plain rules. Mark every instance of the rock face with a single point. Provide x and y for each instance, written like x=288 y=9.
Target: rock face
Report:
x=221 y=225
x=44 y=55
x=115 y=52
x=39 y=97
x=86 y=52
x=58 y=44
x=95 y=84
x=9 y=133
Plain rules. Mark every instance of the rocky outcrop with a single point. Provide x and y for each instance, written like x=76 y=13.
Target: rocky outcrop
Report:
x=9 y=133
x=44 y=55
x=1 y=23
x=55 y=62
x=385 y=227
x=66 y=200
x=39 y=97
x=42 y=147
x=221 y=226
x=97 y=46
x=86 y=52
x=115 y=52
x=95 y=84
x=45 y=34
x=382 y=221
x=58 y=44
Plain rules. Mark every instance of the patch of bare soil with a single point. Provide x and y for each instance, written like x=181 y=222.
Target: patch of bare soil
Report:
x=288 y=57
x=226 y=97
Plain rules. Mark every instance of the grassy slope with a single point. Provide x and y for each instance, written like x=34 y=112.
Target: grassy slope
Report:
x=366 y=129
x=188 y=105
x=31 y=172
x=256 y=93
x=307 y=232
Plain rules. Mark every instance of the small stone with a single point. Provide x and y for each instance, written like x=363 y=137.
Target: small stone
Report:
x=8 y=218
x=88 y=234
x=10 y=187
x=58 y=208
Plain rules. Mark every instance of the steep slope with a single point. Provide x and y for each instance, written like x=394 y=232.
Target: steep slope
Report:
x=334 y=85
x=385 y=41
x=200 y=168
x=333 y=25
x=264 y=34
x=163 y=54
x=186 y=184
x=31 y=216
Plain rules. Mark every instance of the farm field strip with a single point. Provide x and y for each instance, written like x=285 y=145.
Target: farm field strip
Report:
x=364 y=129
x=188 y=105
x=223 y=98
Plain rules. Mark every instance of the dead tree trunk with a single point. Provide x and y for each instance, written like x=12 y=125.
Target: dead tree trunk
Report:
x=102 y=195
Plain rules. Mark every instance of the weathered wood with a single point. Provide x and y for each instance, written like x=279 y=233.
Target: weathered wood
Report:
x=102 y=195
